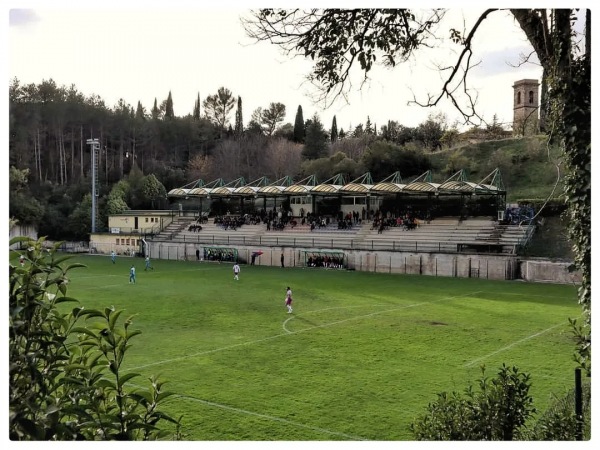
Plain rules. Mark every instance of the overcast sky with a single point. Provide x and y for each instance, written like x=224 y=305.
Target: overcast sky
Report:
x=118 y=51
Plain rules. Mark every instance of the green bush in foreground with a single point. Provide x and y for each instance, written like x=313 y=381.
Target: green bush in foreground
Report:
x=494 y=413
x=559 y=422
x=65 y=378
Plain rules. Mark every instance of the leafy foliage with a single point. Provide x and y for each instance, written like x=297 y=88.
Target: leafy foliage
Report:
x=152 y=190
x=567 y=73
x=65 y=376
x=495 y=412
x=383 y=158
x=336 y=38
x=559 y=422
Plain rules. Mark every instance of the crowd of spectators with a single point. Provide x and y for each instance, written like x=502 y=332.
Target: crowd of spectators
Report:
x=406 y=221
x=230 y=222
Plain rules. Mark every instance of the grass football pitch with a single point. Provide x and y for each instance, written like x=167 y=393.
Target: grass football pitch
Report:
x=360 y=357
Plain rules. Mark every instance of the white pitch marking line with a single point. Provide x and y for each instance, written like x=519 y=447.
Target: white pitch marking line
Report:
x=513 y=344
x=97 y=276
x=324 y=309
x=227 y=347
x=272 y=418
x=531 y=295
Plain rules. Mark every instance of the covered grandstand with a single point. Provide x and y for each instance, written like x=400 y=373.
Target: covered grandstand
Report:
x=421 y=196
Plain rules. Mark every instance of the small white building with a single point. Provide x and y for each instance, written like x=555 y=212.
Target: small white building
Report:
x=126 y=231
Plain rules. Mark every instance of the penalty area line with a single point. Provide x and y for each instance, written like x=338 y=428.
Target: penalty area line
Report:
x=376 y=313
x=520 y=341
x=321 y=310
x=271 y=418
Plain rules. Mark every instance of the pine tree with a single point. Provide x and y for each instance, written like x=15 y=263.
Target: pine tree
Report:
x=299 y=130
x=169 y=114
x=271 y=117
x=334 y=130
x=239 y=122
x=218 y=106
x=316 y=139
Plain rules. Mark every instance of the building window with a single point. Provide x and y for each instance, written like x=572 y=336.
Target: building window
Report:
x=146 y=220
x=122 y=241
x=127 y=241
x=530 y=97
x=117 y=241
x=518 y=98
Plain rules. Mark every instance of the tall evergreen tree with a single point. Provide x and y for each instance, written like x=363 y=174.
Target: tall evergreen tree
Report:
x=140 y=113
x=299 y=130
x=239 y=122
x=169 y=113
x=368 y=126
x=334 y=130
x=155 y=110
x=315 y=145
x=196 y=114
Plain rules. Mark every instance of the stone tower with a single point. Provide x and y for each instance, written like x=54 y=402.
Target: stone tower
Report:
x=526 y=107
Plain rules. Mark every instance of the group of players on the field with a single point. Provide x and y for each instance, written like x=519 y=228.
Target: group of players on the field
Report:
x=236 y=276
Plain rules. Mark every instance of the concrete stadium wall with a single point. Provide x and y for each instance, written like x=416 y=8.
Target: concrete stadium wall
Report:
x=493 y=267
x=19 y=230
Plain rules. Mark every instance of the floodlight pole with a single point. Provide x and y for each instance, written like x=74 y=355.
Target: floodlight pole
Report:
x=95 y=147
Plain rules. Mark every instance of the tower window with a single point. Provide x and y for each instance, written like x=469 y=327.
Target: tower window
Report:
x=518 y=98
x=530 y=96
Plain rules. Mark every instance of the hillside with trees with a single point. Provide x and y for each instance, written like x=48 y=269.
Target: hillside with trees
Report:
x=144 y=153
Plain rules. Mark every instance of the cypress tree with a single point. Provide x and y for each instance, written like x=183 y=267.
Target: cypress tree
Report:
x=155 y=110
x=368 y=127
x=139 y=112
x=196 y=115
x=169 y=114
x=299 y=130
x=239 y=123
x=334 y=130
